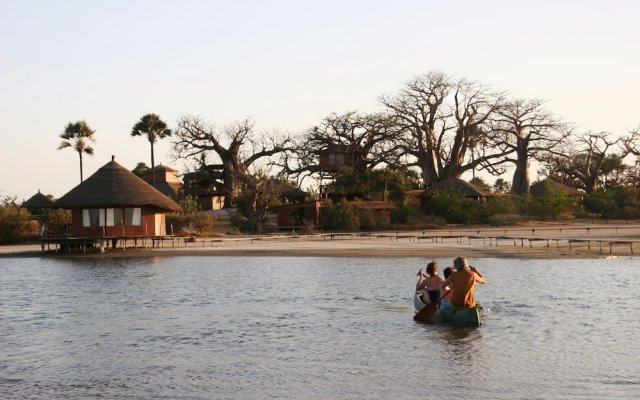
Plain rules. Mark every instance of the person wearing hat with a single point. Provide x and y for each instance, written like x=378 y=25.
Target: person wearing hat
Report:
x=462 y=283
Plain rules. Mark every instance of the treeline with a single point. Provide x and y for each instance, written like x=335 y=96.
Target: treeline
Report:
x=434 y=127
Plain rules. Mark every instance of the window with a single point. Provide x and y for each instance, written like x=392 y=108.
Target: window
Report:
x=336 y=159
x=92 y=217
x=133 y=216
x=110 y=220
x=112 y=217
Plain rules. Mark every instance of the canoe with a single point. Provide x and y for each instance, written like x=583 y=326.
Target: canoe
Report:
x=456 y=316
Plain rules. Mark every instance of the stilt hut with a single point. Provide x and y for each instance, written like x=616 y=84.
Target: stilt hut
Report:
x=115 y=202
x=38 y=204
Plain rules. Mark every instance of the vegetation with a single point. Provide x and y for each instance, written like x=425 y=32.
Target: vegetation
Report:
x=342 y=216
x=154 y=128
x=77 y=136
x=57 y=221
x=140 y=169
x=617 y=202
x=193 y=221
x=433 y=128
x=15 y=222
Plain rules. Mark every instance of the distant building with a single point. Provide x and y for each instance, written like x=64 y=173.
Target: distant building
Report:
x=336 y=156
x=38 y=204
x=457 y=186
x=165 y=179
x=114 y=202
x=206 y=185
x=330 y=160
x=296 y=212
x=546 y=185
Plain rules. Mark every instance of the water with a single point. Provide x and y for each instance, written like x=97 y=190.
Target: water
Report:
x=311 y=328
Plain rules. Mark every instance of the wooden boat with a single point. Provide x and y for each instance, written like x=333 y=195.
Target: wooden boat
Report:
x=458 y=317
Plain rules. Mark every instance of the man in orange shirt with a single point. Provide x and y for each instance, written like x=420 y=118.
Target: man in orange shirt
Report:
x=462 y=283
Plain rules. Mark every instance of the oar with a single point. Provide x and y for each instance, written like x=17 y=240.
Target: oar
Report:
x=428 y=310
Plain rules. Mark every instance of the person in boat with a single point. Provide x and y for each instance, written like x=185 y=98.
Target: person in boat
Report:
x=445 y=300
x=462 y=283
x=431 y=282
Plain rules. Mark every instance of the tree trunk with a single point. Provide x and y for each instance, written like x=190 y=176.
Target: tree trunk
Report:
x=429 y=168
x=230 y=184
x=520 y=183
x=80 y=154
x=591 y=184
x=153 y=165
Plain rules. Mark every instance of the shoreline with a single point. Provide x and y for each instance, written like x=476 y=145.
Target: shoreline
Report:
x=570 y=241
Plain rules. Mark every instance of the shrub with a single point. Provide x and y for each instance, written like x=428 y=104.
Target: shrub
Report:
x=454 y=208
x=400 y=215
x=14 y=222
x=620 y=202
x=370 y=220
x=199 y=223
x=57 y=221
x=549 y=204
x=243 y=224
x=339 y=217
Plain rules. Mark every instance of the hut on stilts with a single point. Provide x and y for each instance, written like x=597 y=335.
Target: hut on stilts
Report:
x=114 y=205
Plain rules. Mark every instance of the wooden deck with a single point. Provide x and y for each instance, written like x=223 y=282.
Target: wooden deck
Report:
x=579 y=238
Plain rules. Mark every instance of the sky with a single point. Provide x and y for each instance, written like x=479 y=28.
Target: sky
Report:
x=286 y=64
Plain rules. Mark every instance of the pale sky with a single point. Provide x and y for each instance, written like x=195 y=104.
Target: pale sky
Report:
x=287 y=64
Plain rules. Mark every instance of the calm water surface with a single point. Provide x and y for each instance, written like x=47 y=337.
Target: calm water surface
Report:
x=312 y=328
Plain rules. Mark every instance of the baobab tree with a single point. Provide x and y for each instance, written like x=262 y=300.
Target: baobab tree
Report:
x=78 y=135
x=372 y=139
x=154 y=128
x=580 y=164
x=418 y=111
x=239 y=146
x=525 y=129
x=446 y=125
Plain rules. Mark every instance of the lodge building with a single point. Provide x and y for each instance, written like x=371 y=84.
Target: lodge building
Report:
x=114 y=202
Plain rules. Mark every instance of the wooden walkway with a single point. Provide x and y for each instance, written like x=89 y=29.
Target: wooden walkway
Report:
x=592 y=237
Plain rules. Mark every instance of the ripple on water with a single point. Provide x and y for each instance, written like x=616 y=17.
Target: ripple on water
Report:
x=195 y=328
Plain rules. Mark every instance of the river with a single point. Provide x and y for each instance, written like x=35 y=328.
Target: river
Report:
x=312 y=328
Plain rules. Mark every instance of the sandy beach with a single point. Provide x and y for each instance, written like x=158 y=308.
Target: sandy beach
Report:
x=543 y=241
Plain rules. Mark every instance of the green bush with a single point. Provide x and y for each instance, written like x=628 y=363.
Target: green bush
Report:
x=454 y=208
x=199 y=224
x=244 y=225
x=339 y=217
x=618 y=202
x=400 y=214
x=549 y=204
x=370 y=220
x=14 y=222
x=56 y=221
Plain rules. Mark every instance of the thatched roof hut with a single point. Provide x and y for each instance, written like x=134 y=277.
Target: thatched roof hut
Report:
x=39 y=200
x=115 y=202
x=543 y=186
x=114 y=185
x=458 y=186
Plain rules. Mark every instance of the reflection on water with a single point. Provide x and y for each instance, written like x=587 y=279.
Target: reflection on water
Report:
x=291 y=328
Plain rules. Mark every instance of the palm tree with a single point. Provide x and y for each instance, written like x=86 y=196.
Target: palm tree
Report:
x=77 y=136
x=154 y=128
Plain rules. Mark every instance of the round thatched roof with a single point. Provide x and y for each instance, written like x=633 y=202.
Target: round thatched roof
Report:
x=39 y=200
x=459 y=186
x=115 y=186
x=543 y=186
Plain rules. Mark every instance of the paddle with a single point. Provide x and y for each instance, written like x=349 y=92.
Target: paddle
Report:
x=428 y=310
